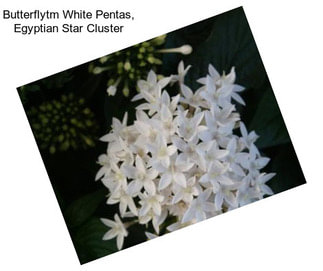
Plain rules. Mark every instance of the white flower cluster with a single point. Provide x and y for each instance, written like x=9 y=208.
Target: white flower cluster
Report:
x=180 y=157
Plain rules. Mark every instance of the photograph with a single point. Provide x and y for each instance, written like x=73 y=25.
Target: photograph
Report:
x=161 y=135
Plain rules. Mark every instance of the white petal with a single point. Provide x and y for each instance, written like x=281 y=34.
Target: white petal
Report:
x=225 y=90
x=107 y=137
x=129 y=171
x=237 y=169
x=125 y=119
x=120 y=239
x=180 y=67
x=180 y=179
x=238 y=98
x=200 y=215
x=202 y=81
x=165 y=99
x=243 y=130
x=208 y=207
x=171 y=150
x=197 y=119
x=238 y=88
x=224 y=180
x=204 y=179
x=179 y=143
x=231 y=200
x=221 y=154
x=165 y=161
x=134 y=187
x=188 y=216
x=187 y=92
x=177 y=197
x=137 y=97
x=152 y=78
x=100 y=173
x=165 y=113
x=205 y=195
x=152 y=173
x=267 y=177
x=110 y=234
x=218 y=200
x=108 y=222
x=144 y=209
x=140 y=164
x=206 y=136
x=164 y=82
x=156 y=208
x=165 y=181
x=262 y=162
x=266 y=190
x=132 y=206
x=123 y=207
x=112 y=200
x=232 y=145
x=150 y=236
x=150 y=187
x=144 y=219
x=213 y=72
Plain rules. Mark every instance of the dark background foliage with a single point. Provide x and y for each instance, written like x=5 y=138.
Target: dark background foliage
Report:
x=224 y=41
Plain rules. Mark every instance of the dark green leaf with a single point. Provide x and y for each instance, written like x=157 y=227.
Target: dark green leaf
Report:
x=88 y=241
x=287 y=168
x=268 y=122
x=81 y=209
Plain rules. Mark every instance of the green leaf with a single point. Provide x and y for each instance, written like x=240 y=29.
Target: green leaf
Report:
x=268 y=122
x=83 y=208
x=287 y=168
x=88 y=241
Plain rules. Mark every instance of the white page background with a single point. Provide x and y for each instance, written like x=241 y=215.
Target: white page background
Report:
x=283 y=232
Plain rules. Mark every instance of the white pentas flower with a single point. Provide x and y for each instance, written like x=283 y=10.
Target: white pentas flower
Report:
x=117 y=230
x=181 y=73
x=199 y=207
x=174 y=173
x=142 y=177
x=184 y=158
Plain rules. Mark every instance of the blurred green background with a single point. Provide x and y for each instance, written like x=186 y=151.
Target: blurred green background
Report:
x=70 y=110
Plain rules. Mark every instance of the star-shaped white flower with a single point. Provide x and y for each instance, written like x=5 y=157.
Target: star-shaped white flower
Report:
x=161 y=152
x=116 y=179
x=261 y=186
x=215 y=96
x=190 y=98
x=252 y=161
x=199 y=208
x=117 y=230
x=142 y=177
x=150 y=202
x=186 y=193
x=156 y=220
x=189 y=127
x=247 y=138
x=151 y=85
x=174 y=173
x=181 y=72
x=215 y=175
x=232 y=158
x=125 y=200
x=105 y=161
x=117 y=130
